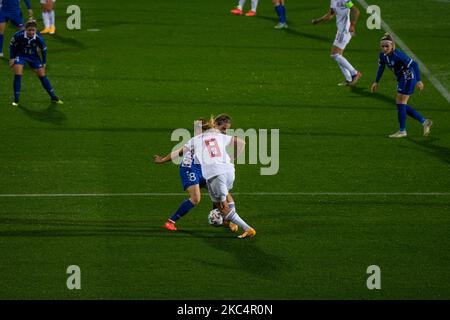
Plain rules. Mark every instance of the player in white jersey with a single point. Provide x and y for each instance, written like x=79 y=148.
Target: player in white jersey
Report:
x=347 y=15
x=48 y=16
x=191 y=177
x=210 y=150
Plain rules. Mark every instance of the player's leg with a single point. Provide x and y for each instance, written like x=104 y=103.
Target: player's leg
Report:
x=39 y=69
x=18 y=72
x=337 y=51
x=45 y=16
x=219 y=187
x=226 y=223
x=51 y=4
x=238 y=10
x=252 y=11
x=408 y=89
x=401 y=100
x=2 y=33
x=281 y=12
x=185 y=207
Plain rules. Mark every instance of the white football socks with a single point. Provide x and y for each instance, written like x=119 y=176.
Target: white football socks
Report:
x=46 y=19
x=234 y=217
x=52 y=18
x=346 y=73
x=254 y=5
x=241 y=4
x=344 y=63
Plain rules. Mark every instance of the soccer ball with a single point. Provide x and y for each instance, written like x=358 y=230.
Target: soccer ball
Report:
x=215 y=218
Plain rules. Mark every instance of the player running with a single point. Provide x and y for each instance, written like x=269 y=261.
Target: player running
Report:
x=347 y=15
x=281 y=12
x=10 y=11
x=238 y=11
x=218 y=170
x=48 y=16
x=407 y=73
x=191 y=174
x=23 y=49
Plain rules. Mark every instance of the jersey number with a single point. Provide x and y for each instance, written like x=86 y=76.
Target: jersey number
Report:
x=213 y=148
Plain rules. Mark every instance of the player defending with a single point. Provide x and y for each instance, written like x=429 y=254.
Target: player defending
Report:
x=281 y=12
x=407 y=73
x=191 y=176
x=48 y=16
x=210 y=150
x=347 y=15
x=238 y=11
x=23 y=49
x=10 y=10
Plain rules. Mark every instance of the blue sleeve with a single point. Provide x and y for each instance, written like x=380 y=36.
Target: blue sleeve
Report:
x=380 y=72
x=12 y=48
x=403 y=58
x=27 y=4
x=43 y=48
x=381 y=66
x=415 y=67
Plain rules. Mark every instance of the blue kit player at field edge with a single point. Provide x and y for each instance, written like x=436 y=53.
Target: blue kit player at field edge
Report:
x=27 y=46
x=10 y=11
x=407 y=72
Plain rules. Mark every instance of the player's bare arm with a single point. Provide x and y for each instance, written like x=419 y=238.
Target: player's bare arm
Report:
x=327 y=17
x=354 y=16
x=173 y=155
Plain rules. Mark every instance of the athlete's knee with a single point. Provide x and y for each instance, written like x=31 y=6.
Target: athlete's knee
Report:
x=195 y=199
x=335 y=56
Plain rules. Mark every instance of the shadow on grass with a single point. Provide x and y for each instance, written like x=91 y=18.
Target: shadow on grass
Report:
x=428 y=145
x=365 y=92
x=295 y=32
x=51 y=114
x=69 y=41
x=248 y=255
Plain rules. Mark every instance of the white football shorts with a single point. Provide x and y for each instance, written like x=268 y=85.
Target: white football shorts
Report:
x=342 y=39
x=219 y=186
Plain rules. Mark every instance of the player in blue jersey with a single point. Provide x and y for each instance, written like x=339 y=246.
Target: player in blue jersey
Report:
x=281 y=12
x=10 y=11
x=24 y=48
x=407 y=72
x=191 y=173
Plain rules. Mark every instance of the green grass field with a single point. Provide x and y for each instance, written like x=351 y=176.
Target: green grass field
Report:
x=155 y=66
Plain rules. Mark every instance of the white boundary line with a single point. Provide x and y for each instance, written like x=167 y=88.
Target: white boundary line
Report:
x=436 y=83
x=159 y=194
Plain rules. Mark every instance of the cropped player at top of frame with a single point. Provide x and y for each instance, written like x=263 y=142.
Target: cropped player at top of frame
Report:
x=239 y=10
x=407 y=72
x=347 y=15
x=24 y=48
x=48 y=16
x=10 y=11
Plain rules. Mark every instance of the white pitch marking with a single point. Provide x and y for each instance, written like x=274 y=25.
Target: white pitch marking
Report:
x=159 y=194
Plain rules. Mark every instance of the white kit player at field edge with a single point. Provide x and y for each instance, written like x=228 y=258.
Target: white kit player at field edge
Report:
x=342 y=10
x=218 y=170
x=48 y=16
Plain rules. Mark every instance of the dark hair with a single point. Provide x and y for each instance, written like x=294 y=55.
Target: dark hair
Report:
x=221 y=119
x=31 y=24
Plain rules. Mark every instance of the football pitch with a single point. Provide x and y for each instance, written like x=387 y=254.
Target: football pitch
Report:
x=78 y=185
